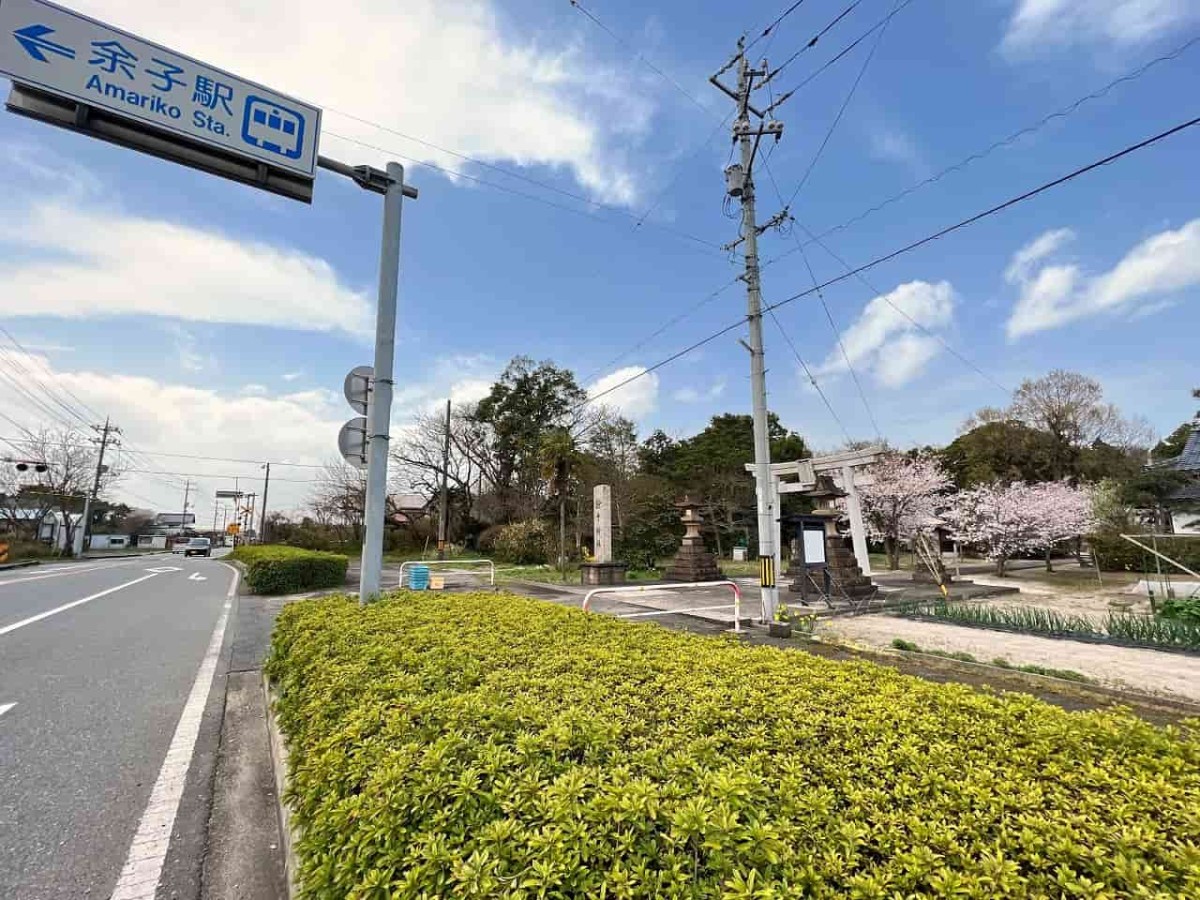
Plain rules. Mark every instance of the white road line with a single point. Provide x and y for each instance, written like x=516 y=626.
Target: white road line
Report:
x=148 y=850
x=50 y=612
x=67 y=570
x=5 y=707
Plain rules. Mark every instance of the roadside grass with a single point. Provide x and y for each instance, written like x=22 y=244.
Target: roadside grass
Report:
x=1000 y=662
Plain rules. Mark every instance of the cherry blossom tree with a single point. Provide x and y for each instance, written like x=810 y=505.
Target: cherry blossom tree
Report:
x=904 y=498
x=1007 y=520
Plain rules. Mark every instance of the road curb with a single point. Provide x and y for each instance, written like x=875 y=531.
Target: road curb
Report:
x=24 y=564
x=279 y=762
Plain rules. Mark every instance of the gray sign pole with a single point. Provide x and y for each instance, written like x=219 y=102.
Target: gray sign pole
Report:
x=379 y=413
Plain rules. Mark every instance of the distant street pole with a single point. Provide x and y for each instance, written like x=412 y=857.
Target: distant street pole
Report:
x=444 y=503
x=85 y=526
x=187 y=490
x=740 y=184
x=262 y=522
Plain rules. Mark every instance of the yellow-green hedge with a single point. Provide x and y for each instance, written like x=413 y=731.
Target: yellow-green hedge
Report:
x=492 y=746
x=277 y=569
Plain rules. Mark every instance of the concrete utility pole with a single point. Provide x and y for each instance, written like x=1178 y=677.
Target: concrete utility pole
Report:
x=262 y=522
x=740 y=185
x=444 y=502
x=187 y=491
x=85 y=527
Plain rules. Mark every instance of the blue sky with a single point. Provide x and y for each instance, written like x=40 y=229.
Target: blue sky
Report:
x=210 y=318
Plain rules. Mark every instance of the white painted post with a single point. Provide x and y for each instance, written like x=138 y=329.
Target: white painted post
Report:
x=858 y=529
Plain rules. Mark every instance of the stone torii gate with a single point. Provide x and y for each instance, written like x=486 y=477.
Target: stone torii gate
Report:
x=801 y=475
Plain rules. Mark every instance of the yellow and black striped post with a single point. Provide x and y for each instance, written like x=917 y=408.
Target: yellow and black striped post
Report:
x=766 y=571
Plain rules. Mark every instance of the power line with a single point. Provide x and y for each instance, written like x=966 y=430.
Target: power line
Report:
x=500 y=187
x=812 y=42
x=845 y=103
x=808 y=373
x=230 y=459
x=829 y=316
x=90 y=410
x=219 y=476
x=879 y=260
x=642 y=59
x=769 y=30
x=847 y=49
x=1032 y=128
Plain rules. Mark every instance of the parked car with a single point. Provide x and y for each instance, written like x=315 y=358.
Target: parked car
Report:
x=198 y=547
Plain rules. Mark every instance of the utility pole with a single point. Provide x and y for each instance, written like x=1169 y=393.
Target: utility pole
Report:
x=740 y=185
x=444 y=502
x=262 y=522
x=187 y=490
x=85 y=527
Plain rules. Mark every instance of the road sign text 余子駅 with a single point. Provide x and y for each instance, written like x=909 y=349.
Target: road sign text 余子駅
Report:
x=58 y=51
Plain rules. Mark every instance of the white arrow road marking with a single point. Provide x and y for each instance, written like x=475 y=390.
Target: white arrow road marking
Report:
x=148 y=850
x=162 y=569
x=50 y=612
x=196 y=576
x=5 y=707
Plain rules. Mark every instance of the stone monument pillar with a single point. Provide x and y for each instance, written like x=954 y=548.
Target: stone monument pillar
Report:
x=602 y=570
x=692 y=562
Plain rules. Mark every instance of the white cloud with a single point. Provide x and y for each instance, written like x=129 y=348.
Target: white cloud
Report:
x=1056 y=294
x=249 y=422
x=693 y=395
x=637 y=399
x=1038 y=25
x=453 y=74
x=292 y=376
x=886 y=338
x=890 y=144
x=79 y=263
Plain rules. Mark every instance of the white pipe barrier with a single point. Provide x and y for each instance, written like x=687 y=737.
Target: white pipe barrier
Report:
x=641 y=589
x=448 y=562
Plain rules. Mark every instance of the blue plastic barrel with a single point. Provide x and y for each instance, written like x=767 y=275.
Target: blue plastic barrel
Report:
x=418 y=578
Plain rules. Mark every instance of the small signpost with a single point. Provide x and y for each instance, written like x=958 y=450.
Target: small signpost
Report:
x=73 y=71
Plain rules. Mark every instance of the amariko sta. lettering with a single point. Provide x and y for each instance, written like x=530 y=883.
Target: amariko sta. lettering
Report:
x=154 y=104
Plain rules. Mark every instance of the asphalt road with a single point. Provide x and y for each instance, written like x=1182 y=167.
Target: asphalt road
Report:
x=98 y=662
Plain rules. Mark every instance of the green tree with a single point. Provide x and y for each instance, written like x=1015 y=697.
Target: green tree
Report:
x=1000 y=451
x=1172 y=445
x=559 y=456
x=711 y=466
x=528 y=400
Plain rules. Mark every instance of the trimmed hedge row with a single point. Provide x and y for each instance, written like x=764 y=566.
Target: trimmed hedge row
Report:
x=276 y=569
x=486 y=745
x=1115 y=554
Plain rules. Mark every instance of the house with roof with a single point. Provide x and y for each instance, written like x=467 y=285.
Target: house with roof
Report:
x=1183 y=503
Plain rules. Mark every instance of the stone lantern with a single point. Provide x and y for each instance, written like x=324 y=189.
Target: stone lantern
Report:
x=693 y=562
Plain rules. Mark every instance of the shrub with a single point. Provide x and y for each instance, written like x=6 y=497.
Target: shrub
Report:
x=274 y=569
x=19 y=551
x=523 y=543
x=1185 y=609
x=500 y=747
x=1114 y=553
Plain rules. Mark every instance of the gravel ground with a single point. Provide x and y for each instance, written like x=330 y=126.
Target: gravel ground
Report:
x=1147 y=671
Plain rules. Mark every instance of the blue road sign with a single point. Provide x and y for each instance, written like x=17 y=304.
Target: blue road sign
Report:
x=61 y=52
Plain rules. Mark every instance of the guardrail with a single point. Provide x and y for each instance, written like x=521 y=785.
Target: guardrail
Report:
x=641 y=589
x=449 y=562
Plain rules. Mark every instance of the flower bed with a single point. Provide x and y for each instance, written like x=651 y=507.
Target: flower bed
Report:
x=486 y=745
x=276 y=569
x=1125 y=630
